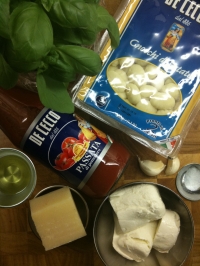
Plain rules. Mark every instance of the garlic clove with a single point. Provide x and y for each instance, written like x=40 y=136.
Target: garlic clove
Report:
x=151 y=168
x=173 y=165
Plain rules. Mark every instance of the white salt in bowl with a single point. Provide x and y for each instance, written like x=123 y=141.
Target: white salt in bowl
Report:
x=104 y=227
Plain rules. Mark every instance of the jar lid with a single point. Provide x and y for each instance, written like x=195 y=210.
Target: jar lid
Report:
x=18 y=177
x=188 y=182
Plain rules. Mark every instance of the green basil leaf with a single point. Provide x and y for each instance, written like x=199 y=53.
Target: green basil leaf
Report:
x=65 y=62
x=4 y=18
x=106 y=21
x=74 y=14
x=16 y=62
x=53 y=94
x=73 y=36
x=2 y=45
x=60 y=69
x=31 y=31
x=8 y=77
x=92 y=1
x=47 y=4
x=80 y=36
x=15 y=3
x=84 y=61
x=63 y=76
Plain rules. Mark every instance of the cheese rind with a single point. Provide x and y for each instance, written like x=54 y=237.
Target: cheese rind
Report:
x=134 y=245
x=56 y=218
x=167 y=232
x=137 y=205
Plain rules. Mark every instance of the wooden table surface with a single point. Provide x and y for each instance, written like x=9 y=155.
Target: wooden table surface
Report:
x=20 y=247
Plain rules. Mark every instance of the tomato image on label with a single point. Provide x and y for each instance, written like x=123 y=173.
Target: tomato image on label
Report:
x=73 y=147
x=63 y=162
x=82 y=137
x=67 y=146
x=80 y=149
x=90 y=132
x=73 y=150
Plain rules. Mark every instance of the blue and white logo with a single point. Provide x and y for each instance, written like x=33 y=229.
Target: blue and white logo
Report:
x=102 y=99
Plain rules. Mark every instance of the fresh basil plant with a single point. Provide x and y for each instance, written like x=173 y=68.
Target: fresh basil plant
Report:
x=50 y=37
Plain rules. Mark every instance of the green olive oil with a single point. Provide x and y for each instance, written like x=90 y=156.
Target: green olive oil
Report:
x=15 y=174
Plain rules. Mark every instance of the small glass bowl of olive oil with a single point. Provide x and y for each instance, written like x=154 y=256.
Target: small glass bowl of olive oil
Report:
x=17 y=177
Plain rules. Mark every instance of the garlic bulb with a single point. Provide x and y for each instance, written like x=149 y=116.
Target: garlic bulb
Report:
x=151 y=168
x=173 y=165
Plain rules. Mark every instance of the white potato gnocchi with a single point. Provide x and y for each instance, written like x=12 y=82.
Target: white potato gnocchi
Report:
x=147 y=91
x=158 y=82
x=146 y=106
x=172 y=89
x=162 y=100
x=133 y=94
x=136 y=74
x=122 y=95
x=117 y=79
x=152 y=71
x=144 y=86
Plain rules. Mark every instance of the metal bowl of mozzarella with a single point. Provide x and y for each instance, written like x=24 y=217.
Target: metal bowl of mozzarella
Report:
x=104 y=226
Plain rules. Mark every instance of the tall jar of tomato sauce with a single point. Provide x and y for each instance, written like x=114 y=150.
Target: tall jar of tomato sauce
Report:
x=86 y=157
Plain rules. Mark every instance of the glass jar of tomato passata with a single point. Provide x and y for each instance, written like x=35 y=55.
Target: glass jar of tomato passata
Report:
x=79 y=152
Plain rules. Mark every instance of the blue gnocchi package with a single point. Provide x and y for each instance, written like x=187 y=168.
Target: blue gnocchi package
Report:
x=149 y=86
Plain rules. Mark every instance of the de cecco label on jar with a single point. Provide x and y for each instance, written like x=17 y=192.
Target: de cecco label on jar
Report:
x=67 y=143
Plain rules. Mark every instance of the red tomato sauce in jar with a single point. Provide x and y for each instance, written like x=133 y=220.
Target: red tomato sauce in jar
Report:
x=108 y=172
x=79 y=152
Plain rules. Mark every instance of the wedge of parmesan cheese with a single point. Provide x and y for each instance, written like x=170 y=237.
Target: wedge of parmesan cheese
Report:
x=56 y=218
x=137 y=205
